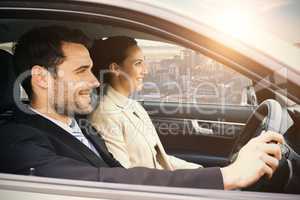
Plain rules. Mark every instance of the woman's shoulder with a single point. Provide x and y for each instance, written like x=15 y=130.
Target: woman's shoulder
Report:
x=106 y=104
x=104 y=110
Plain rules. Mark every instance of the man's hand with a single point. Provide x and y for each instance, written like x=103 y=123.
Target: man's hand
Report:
x=260 y=156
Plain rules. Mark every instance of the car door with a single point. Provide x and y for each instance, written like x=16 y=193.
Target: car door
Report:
x=198 y=105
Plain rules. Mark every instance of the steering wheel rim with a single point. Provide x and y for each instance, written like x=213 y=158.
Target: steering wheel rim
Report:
x=267 y=116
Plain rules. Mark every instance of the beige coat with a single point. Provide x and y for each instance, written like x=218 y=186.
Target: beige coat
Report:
x=130 y=135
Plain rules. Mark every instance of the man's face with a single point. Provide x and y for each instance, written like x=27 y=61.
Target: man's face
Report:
x=70 y=89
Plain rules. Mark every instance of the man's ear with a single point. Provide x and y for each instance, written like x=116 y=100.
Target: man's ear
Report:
x=39 y=76
x=114 y=68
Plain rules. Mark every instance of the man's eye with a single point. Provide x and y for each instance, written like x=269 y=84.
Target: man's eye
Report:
x=80 y=71
x=138 y=63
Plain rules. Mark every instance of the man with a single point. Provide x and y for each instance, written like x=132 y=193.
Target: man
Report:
x=46 y=140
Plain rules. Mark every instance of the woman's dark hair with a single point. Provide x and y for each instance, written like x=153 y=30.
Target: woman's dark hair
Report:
x=111 y=50
x=43 y=46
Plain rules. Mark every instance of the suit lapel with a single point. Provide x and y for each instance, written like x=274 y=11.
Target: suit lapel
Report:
x=59 y=134
x=93 y=136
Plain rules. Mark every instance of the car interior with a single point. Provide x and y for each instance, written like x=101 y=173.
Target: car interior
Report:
x=206 y=133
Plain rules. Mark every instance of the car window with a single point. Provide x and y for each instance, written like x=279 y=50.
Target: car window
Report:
x=178 y=74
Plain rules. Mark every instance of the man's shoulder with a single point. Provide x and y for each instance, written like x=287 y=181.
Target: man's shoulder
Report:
x=15 y=124
x=22 y=121
x=14 y=133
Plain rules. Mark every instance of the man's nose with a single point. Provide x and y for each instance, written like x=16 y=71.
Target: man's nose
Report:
x=94 y=81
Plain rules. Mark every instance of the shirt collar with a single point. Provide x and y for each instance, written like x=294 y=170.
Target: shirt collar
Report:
x=66 y=127
x=119 y=99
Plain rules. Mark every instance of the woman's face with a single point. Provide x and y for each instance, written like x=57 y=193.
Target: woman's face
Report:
x=133 y=70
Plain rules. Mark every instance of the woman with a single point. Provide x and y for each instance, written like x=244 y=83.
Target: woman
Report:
x=123 y=123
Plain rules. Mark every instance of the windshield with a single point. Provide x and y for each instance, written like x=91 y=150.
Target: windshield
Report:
x=281 y=18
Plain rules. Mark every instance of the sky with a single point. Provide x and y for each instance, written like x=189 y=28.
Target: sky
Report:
x=280 y=17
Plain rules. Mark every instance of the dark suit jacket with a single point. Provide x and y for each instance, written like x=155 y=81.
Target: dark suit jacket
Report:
x=32 y=141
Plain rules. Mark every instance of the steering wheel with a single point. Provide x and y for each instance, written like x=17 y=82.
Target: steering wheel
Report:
x=267 y=117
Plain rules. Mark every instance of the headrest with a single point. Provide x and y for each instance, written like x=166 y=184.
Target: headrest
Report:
x=7 y=79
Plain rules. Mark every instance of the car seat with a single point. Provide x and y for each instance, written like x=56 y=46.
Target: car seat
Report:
x=7 y=80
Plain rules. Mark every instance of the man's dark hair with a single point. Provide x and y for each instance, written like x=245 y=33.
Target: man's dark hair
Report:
x=43 y=46
x=110 y=50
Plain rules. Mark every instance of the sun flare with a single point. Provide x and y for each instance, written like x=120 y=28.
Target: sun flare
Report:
x=236 y=22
